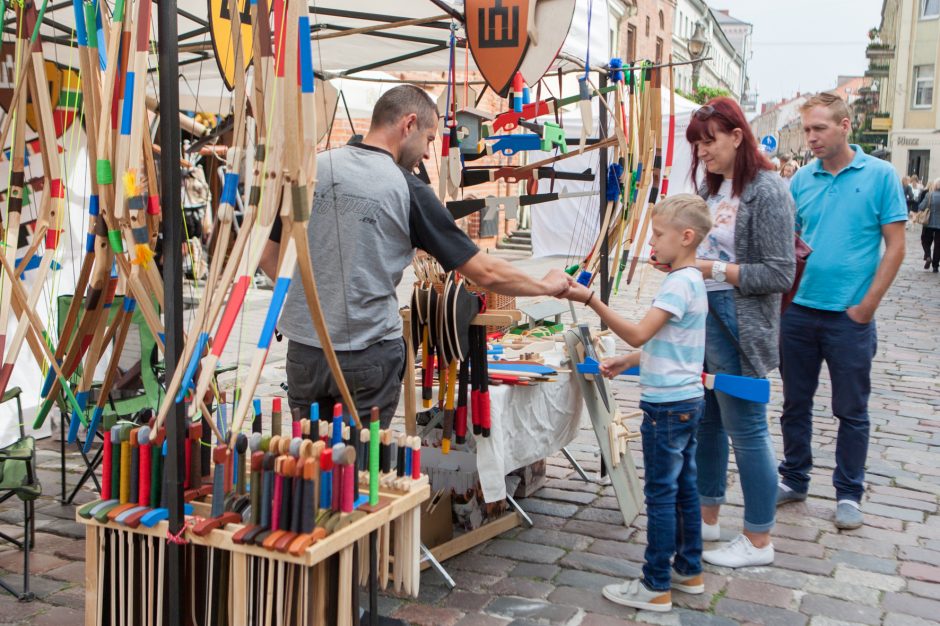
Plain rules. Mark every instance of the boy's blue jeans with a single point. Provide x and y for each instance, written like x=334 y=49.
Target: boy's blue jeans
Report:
x=672 y=507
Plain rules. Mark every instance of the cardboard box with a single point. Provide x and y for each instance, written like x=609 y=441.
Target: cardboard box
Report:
x=437 y=525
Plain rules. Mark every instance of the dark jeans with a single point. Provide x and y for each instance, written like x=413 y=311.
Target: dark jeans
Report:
x=674 y=523
x=930 y=237
x=373 y=375
x=807 y=338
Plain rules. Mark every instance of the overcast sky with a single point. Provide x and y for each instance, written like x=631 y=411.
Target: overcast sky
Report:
x=802 y=45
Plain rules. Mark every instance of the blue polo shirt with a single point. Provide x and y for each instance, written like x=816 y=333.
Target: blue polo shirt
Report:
x=841 y=217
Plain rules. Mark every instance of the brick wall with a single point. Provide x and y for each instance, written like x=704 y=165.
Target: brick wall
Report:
x=648 y=11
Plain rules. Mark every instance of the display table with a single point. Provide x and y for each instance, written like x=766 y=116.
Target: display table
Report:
x=530 y=423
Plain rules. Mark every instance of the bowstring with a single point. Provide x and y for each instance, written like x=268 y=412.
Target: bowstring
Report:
x=342 y=267
x=253 y=241
x=55 y=283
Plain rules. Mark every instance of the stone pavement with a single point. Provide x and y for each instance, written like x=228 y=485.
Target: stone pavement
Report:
x=887 y=572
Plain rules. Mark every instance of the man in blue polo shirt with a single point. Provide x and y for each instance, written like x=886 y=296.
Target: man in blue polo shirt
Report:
x=846 y=203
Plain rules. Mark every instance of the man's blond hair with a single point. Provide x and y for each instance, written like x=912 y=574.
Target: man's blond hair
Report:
x=838 y=109
x=686 y=210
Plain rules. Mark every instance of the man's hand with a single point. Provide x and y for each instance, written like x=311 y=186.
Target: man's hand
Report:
x=860 y=314
x=556 y=283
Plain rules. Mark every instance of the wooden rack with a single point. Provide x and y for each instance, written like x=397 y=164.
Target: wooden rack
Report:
x=137 y=592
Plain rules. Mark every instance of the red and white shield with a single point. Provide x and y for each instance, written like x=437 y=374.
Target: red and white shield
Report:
x=498 y=37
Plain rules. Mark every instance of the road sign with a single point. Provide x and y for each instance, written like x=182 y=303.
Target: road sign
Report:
x=769 y=144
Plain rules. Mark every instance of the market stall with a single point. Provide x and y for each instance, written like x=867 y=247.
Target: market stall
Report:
x=249 y=85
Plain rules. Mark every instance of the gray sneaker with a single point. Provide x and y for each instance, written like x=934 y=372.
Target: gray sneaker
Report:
x=848 y=515
x=633 y=593
x=785 y=494
x=693 y=584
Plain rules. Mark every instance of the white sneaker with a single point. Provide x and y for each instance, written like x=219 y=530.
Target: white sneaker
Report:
x=711 y=532
x=740 y=552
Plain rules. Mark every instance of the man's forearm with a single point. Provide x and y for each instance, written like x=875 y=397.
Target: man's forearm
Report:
x=268 y=262
x=505 y=279
x=500 y=276
x=887 y=271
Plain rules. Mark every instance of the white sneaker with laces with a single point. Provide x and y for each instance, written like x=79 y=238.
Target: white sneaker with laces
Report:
x=740 y=552
x=711 y=532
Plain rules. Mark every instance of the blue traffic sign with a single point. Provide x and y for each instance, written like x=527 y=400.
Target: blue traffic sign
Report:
x=769 y=143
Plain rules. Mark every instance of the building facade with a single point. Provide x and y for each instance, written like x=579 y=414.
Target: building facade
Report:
x=725 y=67
x=644 y=29
x=903 y=60
x=740 y=34
x=782 y=119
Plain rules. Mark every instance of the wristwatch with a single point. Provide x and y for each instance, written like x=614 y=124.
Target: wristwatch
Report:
x=718 y=271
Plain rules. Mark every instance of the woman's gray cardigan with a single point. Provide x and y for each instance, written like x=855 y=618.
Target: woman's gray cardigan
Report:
x=763 y=247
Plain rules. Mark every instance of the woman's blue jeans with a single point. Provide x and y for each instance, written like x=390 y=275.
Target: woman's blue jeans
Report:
x=744 y=421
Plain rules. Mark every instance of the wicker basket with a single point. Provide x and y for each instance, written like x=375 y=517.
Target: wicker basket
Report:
x=494 y=302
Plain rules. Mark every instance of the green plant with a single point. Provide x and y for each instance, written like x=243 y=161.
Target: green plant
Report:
x=703 y=94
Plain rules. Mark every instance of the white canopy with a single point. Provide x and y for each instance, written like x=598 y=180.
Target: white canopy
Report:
x=414 y=48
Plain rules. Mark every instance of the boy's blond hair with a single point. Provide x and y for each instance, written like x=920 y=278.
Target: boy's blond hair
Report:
x=686 y=210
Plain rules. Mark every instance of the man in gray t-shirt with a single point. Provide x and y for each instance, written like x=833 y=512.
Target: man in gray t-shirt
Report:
x=369 y=214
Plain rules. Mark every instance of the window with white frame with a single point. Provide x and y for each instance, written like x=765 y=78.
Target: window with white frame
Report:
x=923 y=86
x=929 y=9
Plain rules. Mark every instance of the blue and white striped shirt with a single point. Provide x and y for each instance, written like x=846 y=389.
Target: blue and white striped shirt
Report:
x=671 y=362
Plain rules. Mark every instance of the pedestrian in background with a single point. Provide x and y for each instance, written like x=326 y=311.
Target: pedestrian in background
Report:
x=788 y=170
x=847 y=203
x=930 y=235
x=909 y=199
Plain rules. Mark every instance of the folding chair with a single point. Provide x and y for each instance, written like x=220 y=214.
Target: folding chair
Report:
x=18 y=478
x=147 y=395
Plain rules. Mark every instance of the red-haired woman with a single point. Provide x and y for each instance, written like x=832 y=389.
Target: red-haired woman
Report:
x=747 y=261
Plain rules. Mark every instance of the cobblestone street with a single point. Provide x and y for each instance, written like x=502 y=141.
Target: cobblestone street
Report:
x=887 y=572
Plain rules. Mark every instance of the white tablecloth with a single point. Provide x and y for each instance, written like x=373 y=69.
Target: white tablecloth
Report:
x=528 y=424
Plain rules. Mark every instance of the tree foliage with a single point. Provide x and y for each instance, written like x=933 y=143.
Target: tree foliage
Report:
x=703 y=94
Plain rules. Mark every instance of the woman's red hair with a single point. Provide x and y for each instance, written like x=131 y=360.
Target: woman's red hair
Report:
x=726 y=117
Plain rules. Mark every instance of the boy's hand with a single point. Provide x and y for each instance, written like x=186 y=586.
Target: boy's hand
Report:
x=662 y=267
x=577 y=292
x=614 y=366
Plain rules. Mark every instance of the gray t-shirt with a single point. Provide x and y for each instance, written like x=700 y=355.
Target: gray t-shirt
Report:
x=368 y=216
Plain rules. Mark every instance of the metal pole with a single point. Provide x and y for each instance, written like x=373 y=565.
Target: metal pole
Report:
x=173 y=290
x=602 y=176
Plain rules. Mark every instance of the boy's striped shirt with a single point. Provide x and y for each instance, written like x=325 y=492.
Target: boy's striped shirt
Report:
x=671 y=362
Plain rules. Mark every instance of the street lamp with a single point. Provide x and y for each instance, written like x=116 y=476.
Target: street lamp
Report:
x=698 y=46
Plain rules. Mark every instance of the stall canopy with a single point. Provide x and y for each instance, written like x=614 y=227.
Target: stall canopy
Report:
x=416 y=48
x=344 y=60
